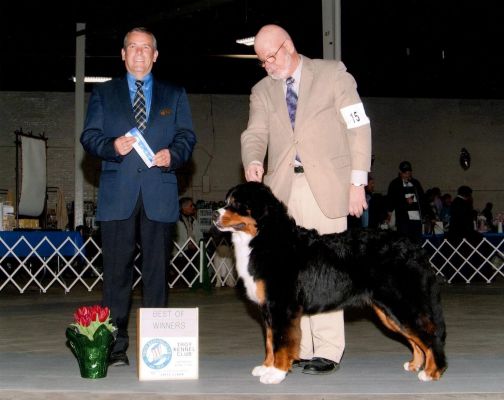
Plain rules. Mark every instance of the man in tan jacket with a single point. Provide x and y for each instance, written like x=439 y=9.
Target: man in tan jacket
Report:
x=307 y=116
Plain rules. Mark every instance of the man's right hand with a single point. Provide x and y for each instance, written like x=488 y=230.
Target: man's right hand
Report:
x=254 y=172
x=124 y=144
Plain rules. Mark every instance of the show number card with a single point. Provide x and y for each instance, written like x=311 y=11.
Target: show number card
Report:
x=142 y=147
x=167 y=343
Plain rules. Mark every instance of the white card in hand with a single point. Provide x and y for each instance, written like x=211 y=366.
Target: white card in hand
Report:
x=141 y=146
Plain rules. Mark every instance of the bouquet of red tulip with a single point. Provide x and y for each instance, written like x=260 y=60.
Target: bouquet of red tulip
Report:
x=91 y=337
x=89 y=318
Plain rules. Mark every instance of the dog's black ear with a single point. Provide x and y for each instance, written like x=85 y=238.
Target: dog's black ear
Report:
x=265 y=208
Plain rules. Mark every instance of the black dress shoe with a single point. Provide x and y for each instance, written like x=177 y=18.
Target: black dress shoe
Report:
x=300 y=363
x=320 y=366
x=118 y=358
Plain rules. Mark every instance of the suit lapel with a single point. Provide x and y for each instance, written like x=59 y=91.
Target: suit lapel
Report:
x=278 y=100
x=304 y=93
x=156 y=104
x=125 y=101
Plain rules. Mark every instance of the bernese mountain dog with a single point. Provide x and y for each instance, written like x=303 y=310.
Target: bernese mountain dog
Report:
x=290 y=271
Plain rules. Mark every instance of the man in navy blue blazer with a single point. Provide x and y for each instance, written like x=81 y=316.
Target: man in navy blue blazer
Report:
x=135 y=199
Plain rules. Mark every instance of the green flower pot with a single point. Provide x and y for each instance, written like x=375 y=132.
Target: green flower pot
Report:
x=92 y=355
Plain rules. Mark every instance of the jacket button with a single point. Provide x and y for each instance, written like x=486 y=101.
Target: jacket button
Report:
x=139 y=169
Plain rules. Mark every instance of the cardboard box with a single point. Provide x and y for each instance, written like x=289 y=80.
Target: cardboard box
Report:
x=167 y=343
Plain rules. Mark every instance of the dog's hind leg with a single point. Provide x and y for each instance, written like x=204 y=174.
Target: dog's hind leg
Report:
x=418 y=359
x=431 y=357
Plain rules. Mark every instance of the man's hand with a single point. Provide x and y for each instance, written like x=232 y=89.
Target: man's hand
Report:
x=357 y=203
x=124 y=144
x=254 y=172
x=162 y=158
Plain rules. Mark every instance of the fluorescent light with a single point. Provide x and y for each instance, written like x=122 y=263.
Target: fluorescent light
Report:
x=94 y=79
x=248 y=41
x=246 y=56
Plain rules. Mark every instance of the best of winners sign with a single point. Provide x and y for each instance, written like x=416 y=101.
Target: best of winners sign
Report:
x=167 y=343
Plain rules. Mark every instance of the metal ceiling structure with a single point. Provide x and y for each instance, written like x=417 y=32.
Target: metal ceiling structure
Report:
x=394 y=48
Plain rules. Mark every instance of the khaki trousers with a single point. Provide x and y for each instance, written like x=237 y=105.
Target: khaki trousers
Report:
x=322 y=335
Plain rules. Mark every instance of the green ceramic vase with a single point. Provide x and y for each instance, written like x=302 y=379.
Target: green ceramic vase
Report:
x=92 y=355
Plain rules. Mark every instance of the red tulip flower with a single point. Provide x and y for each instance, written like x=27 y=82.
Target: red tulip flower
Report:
x=89 y=318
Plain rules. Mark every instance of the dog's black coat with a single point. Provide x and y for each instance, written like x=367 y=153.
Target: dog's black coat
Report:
x=309 y=273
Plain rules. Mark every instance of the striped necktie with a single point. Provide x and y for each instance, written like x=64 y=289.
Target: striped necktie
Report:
x=291 y=98
x=139 y=107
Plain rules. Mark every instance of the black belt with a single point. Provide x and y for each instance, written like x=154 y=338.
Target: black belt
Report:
x=299 y=169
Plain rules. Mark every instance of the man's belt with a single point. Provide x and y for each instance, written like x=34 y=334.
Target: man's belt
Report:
x=298 y=169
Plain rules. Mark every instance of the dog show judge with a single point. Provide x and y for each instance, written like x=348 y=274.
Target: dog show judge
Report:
x=307 y=116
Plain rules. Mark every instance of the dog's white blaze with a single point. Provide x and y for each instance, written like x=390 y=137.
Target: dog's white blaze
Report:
x=241 y=242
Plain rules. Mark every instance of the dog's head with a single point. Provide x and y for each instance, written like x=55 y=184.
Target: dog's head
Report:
x=249 y=206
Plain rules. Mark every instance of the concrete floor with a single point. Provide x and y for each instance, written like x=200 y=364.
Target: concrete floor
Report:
x=36 y=364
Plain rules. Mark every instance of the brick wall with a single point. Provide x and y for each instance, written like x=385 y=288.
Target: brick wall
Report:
x=428 y=132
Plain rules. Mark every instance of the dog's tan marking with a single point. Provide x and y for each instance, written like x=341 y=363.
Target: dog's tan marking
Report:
x=260 y=291
x=229 y=219
x=269 y=358
x=431 y=369
x=290 y=351
x=421 y=352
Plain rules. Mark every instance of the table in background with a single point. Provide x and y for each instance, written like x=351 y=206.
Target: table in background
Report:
x=25 y=243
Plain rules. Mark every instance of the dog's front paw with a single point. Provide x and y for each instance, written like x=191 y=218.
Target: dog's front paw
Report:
x=273 y=375
x=260 y=370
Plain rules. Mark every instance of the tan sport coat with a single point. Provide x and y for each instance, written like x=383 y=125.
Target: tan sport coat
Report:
x=328 y=149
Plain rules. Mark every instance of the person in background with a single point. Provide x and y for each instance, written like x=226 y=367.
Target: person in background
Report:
x=188 y=225
x=376 y=213
x=406 y=197
x=487 y=213
x=445 y=214
x=134 y=197
x=432 y=217
x=308 y=117
x=462 y=221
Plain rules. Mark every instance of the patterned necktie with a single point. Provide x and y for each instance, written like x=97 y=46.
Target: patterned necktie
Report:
x=291 y=98
x=139 y=107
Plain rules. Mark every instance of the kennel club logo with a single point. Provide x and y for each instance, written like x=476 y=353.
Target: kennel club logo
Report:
x=156 y=354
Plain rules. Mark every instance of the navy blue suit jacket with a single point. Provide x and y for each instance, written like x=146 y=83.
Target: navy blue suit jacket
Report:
x=110 y=114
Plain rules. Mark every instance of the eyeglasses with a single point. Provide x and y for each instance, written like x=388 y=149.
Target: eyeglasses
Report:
x=271 y=59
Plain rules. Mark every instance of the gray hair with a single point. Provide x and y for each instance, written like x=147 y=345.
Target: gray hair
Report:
x=142 y=30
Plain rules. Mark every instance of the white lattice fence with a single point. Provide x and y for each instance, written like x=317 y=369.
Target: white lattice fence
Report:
x=193 y=263
x=467 y=262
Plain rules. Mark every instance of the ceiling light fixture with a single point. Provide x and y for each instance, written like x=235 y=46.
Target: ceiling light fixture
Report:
x=248 y=41
x=94 y=79
x=244 y=56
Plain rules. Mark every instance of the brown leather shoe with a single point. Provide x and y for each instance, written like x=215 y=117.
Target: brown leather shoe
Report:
x=320 y=366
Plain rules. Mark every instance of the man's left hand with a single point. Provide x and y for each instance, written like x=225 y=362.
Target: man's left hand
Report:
x=357 y=203
x=162 y=158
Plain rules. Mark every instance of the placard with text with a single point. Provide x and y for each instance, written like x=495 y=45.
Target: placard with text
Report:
x=167 y=341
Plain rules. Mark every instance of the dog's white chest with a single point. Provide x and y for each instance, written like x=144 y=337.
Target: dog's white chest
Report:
x=242 y=253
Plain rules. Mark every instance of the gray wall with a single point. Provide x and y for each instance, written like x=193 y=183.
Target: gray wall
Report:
x=427 y=132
